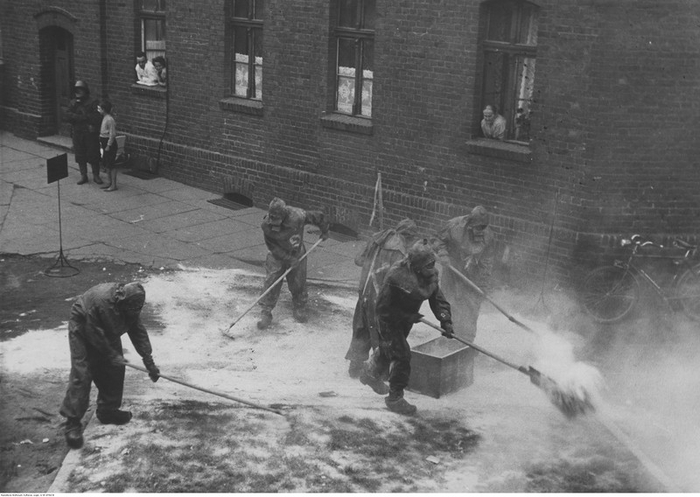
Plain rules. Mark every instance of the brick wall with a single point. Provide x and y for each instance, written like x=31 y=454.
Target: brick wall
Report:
x=614 y=122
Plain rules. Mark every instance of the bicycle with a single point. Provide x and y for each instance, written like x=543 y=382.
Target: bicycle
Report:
x=611 y=292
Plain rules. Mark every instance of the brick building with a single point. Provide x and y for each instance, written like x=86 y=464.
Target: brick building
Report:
x=604 y=143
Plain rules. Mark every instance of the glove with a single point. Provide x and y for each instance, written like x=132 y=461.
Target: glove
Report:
x=119 y=360
x=415 y=318
x=449 y=330
x=153 y=371
x=325 y=235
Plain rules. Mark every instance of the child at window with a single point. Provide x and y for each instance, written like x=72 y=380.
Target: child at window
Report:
x=108 y=142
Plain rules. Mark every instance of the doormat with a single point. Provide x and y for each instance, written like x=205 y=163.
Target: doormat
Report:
x=229 y=204
x=141 y=174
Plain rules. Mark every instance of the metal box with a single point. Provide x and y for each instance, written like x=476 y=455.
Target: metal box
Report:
x=441 y=366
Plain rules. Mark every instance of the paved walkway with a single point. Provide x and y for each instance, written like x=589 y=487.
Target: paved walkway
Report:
x=154 y=222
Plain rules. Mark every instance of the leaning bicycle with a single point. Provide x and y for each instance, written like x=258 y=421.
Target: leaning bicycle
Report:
x=610 y=293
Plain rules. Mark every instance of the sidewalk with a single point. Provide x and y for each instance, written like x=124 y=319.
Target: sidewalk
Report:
x=156 y=222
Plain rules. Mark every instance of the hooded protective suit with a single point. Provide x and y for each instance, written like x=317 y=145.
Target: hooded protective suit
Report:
x=98 y=319
x=403 y=292
x=468 y=245
x=380 y=253
x=283 y=230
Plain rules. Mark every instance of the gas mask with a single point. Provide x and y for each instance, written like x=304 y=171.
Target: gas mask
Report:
x=276 y=214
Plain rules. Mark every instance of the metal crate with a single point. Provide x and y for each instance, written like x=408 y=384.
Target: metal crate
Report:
x=441 y=366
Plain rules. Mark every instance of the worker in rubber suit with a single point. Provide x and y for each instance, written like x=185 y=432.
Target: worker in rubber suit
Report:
x=380 y=253
x=283 y=229
x=98 y=319
x=467 y=244
x=86 y=122
x=408 y=284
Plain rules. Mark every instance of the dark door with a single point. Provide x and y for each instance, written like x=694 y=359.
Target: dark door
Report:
x=63 y=76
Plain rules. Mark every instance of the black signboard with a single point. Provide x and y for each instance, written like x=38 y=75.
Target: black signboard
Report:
x=57 y=168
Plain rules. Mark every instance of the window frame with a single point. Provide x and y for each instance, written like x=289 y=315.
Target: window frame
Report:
x=514 y=56
x=157 y=14
x=254 y=26
x=361 y=36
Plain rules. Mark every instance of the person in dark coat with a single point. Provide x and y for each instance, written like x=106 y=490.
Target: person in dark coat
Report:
x=467 y=244
x=99 y=318
x=283 y=229
x=380 y=253
x=85 y=120
x=408 y=284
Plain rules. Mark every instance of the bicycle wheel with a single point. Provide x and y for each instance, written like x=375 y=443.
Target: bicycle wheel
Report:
x=688 y=292
x=609 y=293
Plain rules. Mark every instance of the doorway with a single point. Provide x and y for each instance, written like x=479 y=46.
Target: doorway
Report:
x=58 y=49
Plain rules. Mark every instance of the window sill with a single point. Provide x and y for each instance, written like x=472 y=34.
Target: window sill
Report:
x=502 y=150
x=152 y=91
x=242 y=105
x=343 y=122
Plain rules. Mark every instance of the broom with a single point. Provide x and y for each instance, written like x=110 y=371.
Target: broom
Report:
x=571 y=402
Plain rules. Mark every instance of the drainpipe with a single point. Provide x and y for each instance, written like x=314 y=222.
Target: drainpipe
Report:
x=103 y=48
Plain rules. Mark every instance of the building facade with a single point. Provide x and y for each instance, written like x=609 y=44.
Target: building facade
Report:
x=313 y=100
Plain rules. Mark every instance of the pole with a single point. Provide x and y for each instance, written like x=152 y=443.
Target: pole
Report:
x=202 y=389
x=481 y=292
x=277 y=282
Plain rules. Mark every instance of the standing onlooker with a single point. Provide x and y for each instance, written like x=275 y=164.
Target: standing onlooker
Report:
x=381 y=251
x=409 y=283
x=161 y=70
x=283 y=229
x=108 y=142
x=493 y=125
x=85 y=120
x=98 y=319
x=145 y=72
x=468 y=245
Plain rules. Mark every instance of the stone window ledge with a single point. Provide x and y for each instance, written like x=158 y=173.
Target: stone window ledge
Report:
x=502 y=150
x=151 y=91
x=343 y=122
x=242 y=105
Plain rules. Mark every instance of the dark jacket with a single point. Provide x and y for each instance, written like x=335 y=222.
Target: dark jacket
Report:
x=101 y=322
x=403 y=293
x=287 y=244
x=380 y=253
x=83 y=115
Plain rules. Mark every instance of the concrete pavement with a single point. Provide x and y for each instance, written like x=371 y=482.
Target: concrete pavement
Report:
x=155 y=222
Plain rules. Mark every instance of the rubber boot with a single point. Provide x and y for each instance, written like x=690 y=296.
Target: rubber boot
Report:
x=83 y=174
x=265 y=320
x=300 y=314
x=355 y=369
x=396 y=403
x=116 y=417
x=367 y=378
x=74 y=433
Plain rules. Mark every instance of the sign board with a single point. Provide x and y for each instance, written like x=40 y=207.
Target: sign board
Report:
x=57 y=168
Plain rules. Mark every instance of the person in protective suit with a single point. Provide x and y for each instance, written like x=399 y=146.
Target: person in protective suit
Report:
x=380 y=253
x=468 y=245
x=98 y=319
x=86 y=120
x=408 y=284
x=283 y=229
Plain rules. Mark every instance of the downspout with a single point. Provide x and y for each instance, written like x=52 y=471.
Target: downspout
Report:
x=103 y=48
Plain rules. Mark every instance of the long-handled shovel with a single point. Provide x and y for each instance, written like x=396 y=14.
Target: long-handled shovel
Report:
x=569 y=403
x=483 y=294
x=201 y=389
x=277 y=282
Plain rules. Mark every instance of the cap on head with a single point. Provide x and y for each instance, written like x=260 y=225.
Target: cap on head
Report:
x=478 y=216
x=420 y=254
x=134 y=295
x=81 y=84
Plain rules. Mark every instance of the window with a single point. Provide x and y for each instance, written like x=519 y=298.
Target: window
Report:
x=152 y=16
x=245 y=40
x=509 y=50
x=354 y=56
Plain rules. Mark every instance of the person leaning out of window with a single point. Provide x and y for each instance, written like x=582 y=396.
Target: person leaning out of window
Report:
x=160 y=65
x=493 y=125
